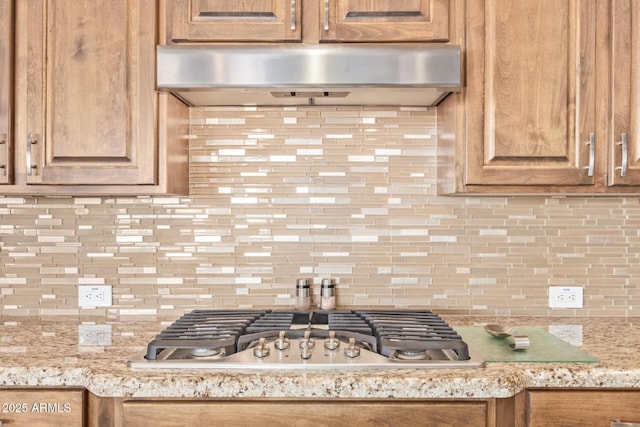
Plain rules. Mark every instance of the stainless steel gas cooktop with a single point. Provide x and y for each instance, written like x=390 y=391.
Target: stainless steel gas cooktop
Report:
x=337 y=339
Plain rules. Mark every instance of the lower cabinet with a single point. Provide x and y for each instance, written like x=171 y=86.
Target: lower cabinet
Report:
x=42 y=407
x=580 y=408
x=71 y=407
x=336 y=412
x=530 y=408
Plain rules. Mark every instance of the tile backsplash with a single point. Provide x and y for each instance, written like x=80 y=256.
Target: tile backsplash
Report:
x=341 y=192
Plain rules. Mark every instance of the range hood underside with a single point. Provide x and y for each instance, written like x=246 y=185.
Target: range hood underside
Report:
x=313 y=96
x=400 y=75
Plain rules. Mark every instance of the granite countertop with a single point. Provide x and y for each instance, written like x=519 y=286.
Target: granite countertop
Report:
x=93 y=353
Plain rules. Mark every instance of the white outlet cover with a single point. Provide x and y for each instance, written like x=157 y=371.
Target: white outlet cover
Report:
x=565 y=297
x=95 y=296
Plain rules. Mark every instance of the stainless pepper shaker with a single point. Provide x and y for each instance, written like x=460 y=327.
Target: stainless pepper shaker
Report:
x=303 y=294
x=327 y=295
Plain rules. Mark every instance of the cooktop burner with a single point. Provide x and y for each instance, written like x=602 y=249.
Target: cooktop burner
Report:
x=270 y=339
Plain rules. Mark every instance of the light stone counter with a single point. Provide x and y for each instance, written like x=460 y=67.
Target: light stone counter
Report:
x=93 y=353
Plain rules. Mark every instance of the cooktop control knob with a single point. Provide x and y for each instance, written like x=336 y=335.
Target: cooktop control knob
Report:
x=352 y=351
x=306 y=347
x=332 y=343
x=281 y=343
x=311 y=341
x=261 y=350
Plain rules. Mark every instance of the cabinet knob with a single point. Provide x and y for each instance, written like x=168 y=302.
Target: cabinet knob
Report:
x=618 y=423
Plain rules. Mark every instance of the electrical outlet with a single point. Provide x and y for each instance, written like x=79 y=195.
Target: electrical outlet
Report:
x=565 y=297
x=94 y=296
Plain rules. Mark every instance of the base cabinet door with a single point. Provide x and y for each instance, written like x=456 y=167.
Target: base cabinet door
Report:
x=305 y=413
x=573 y=408
x=42 y=408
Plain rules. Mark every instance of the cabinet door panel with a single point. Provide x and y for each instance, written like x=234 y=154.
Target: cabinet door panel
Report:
x=572 y=408
x=228 y=414
x=224 y=20
x=42 y=408
x=625 y=73
x=91 y=102
x=531 y=91
x=6 y=105
x=385 y=20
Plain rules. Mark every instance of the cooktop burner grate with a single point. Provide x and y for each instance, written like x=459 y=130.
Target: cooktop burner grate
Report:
x=204 y=329
x=413 y=331
x=235 y=335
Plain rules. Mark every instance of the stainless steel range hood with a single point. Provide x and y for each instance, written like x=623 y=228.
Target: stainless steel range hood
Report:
x=328 y=74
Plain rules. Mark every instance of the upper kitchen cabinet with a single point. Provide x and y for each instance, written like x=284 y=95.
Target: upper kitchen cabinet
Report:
x=224 y=20
x=6 y=72
x=310 y=21
x=624 y=155
x=385 y=20
x=527 y=113
x=544 y=110
x=87 y=116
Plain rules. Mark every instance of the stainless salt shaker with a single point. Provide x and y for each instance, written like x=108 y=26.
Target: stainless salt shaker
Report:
x=303 y=294
x=327 y=295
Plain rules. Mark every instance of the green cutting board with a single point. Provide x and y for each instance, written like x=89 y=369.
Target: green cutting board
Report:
x=544 y=347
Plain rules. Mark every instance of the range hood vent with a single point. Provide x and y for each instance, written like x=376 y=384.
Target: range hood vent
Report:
x=330 y=74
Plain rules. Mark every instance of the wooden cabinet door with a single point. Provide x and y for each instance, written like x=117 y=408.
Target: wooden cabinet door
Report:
x=225 y=20
x=530 y=93
x=42 y=408
x=385 y=20
x=579 y=408
x=306 y=413
x=90 y=113
x=6 y=105
x=625 y=105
